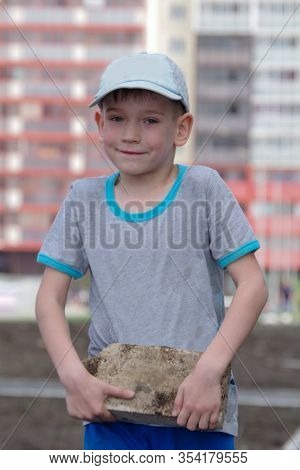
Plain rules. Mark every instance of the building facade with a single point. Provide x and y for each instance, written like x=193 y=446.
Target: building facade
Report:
x=243 y=57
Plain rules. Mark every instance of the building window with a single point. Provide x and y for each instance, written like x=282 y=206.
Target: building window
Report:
x=177 y=12
x=117 y=3
x=222 y=75
x=278 y=7
x=232 y=75
x=177 y=45
x=229 y=142
x=233 y=109
x=288 y=75
x=222 y=43
x=222 y=7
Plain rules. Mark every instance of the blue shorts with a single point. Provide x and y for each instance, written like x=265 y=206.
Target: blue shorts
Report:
x=128 y=436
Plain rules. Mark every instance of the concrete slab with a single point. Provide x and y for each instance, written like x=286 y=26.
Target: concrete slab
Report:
x=155 y=374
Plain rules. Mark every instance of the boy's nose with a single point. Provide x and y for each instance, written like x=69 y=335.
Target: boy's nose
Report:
x=131 y=133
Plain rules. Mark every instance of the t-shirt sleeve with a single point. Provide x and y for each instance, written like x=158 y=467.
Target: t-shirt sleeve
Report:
x=63 y=247
x=231 y=235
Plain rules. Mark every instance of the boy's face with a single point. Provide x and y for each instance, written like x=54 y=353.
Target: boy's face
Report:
x=140 y=135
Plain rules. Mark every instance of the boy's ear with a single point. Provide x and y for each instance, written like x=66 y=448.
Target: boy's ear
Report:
x=100 y=124
x=184 y=128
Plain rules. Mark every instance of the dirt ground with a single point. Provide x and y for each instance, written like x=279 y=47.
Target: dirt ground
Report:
x=44 y=424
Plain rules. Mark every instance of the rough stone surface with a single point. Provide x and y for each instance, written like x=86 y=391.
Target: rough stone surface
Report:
x=154 y=373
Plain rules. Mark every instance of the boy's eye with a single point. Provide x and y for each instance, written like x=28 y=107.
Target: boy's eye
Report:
x=151 y=121
x=116 y=118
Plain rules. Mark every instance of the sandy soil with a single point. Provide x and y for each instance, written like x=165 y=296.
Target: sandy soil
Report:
x=264 y=361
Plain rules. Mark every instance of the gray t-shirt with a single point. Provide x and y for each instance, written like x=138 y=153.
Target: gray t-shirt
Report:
x=157 y=275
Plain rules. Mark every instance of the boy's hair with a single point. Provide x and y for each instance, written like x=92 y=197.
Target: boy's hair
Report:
x=123 y=94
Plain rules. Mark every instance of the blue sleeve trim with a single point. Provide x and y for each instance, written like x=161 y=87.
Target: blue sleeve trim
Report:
x=64 y=268
x=239 y=253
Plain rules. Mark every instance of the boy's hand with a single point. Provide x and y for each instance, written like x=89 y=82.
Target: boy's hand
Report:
x=198 y=401
x=86 y=394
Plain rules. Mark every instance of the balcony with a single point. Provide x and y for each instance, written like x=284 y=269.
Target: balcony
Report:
x=232 y=58
x=47 y=126
x=219 y=91
x=279 y=132
x=34 y=235
x=224 y=124
x=276 y=21
x=221 y=22
x=221 y=156
x=264 y=85
x=279 y=259
x=20 y=88
x=35 y=162
x=242 y=189
x=273 y=157
x=63 y=16
x=266 y=91
x=75 y=53
x=277 y=191
x=275 y=54
x=60 y=126
x=277 y=225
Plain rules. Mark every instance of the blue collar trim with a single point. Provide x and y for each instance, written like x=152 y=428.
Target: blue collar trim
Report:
x=142 y=216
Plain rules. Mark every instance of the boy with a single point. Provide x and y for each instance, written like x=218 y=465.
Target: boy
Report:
x=156 y=238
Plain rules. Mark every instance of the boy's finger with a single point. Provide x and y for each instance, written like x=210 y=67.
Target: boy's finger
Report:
x=183 y=417
x=106 y=416
x=193 y=422
x=204 y=422
x=213 y=422
x=178 y=403
x=117 y=392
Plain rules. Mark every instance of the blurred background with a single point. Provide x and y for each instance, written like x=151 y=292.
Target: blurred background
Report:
x=241 y=60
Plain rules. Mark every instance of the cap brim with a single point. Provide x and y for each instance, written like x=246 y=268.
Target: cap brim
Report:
x=143 y=85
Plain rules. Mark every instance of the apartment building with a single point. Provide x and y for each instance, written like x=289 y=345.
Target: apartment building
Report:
x=51 y=57
x=244 y=62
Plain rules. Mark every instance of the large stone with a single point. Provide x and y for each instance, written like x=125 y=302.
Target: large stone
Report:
x=154 y=373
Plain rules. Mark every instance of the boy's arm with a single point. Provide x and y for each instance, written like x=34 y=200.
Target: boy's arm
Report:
x=198 y=400
x=85 y=394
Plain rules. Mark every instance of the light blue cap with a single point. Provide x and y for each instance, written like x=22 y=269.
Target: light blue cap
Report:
x=154 y=72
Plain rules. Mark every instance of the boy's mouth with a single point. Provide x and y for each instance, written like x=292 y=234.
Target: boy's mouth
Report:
x=131 y=152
